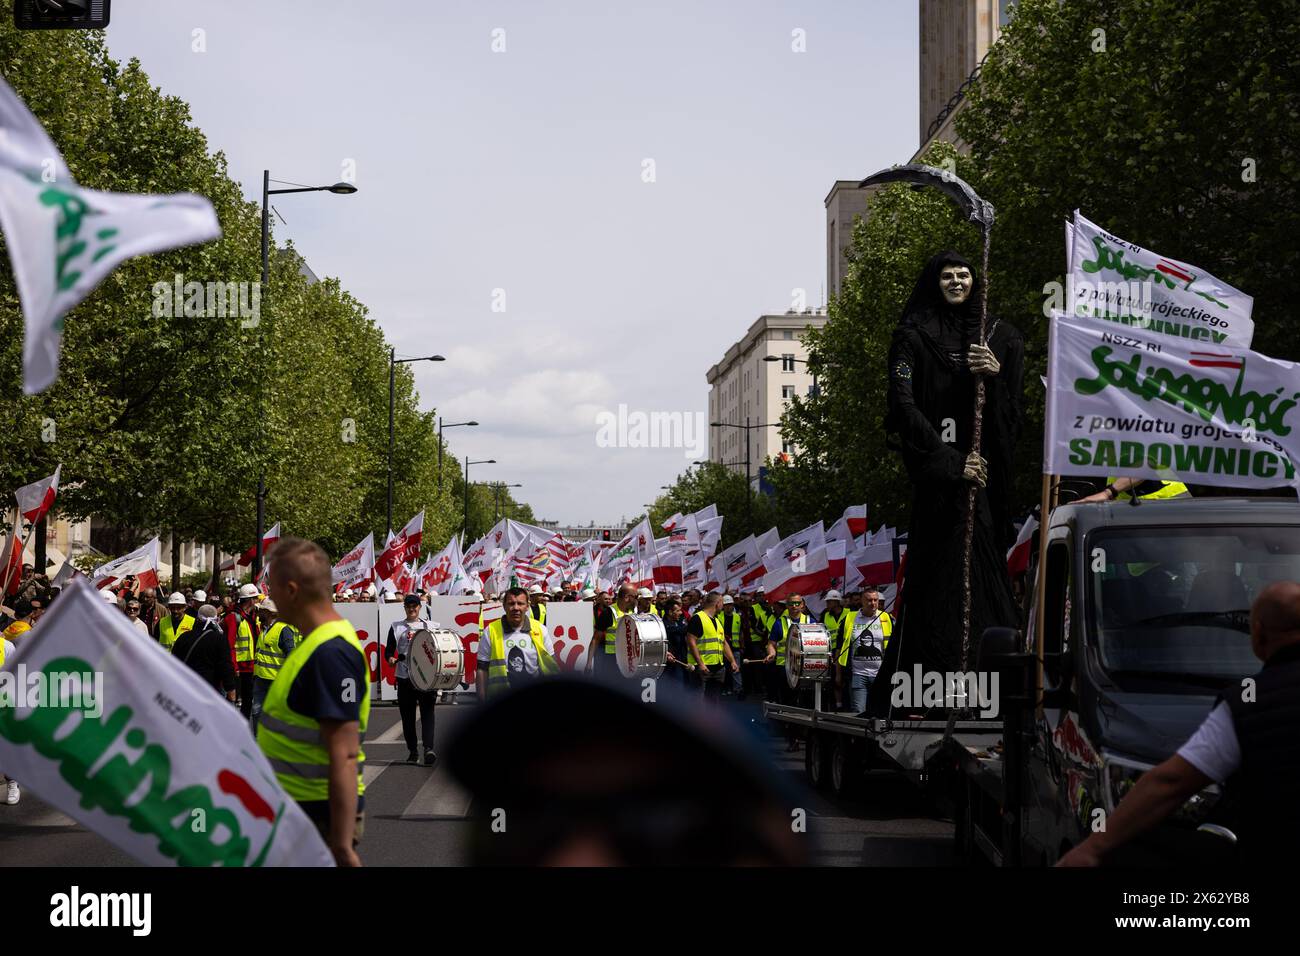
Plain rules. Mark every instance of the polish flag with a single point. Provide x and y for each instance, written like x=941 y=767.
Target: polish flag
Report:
x=835 y=554
x=34 y=500
x=875 y=562
x=142 y=562
x=11 y=566
x=803 y=542
x=801 y=574
x=856 y=518
x=667 y=569
x=1018 y=555
x=269 y=539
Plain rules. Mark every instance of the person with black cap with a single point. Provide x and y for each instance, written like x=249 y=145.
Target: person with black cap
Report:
x=397 y=650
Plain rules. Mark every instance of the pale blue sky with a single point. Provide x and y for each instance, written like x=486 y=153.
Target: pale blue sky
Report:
x=522 y=171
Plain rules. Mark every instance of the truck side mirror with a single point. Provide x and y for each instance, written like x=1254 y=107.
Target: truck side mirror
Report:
x=998 y=645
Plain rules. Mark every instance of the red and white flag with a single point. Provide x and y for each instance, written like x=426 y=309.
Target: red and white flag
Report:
x=356 y=567
x=801 y=574
x=856 y=518
x=803 y=542
x=269 y=538
x=668 y=569
x=875 y=561
x=34 y=500
x=11 y=565
x=730 y=568
x=1018 y=554
x=142 y=562
x=400 y=548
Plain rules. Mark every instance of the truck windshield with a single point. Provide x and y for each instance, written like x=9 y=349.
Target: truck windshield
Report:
x=1175 y=602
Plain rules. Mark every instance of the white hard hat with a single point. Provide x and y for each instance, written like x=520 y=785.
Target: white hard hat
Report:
x=268 y=605
x=588 y=594
x=248 y=591
x=535 y=589
x=834 y=596
x=108 y=596
x=347 y=592
x=201 y=596
x=728 y=599
x=644 y=593
x=176 y=598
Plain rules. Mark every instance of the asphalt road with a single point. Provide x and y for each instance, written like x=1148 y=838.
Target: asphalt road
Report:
x=416 y=816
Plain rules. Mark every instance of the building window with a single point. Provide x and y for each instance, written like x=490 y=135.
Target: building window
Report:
x=788 y=334
x=787 y=447
x=787 y=391
x=787 y=362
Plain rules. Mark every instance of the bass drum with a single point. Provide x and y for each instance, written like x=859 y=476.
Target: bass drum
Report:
x=436 y=661
x=807 y=655
x=641 y=646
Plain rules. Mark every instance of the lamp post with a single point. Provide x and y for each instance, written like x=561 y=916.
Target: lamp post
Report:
x=485 y=461
x=393 y=362
x=749 y=489
x=441 y=426
x=497 y=486
x=340 y=189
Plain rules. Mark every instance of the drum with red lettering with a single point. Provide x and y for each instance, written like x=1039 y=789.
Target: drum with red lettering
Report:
x=641 y=646
x=807 y=655
x=436 y=660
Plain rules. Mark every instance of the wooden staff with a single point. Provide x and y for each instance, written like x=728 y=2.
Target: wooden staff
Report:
x=977 y=432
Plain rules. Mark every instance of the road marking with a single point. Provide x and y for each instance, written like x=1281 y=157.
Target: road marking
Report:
x=439 y=796
x=50 y=818
x=393 y=735
x=373 y=768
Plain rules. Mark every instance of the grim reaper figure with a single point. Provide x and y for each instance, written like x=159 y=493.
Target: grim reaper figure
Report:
x=933 y=361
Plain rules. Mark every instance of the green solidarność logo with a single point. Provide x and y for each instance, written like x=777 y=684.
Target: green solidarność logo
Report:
x=170 y=818
x=1113 y=259
x=1201 y=396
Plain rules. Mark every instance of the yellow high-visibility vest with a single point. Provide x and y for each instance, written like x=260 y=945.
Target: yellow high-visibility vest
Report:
x=268 y=658
x=709 y=644
x=846 y=638
x=498 y=678
x=168 y=632
x=1167 y=489
x=292 y=741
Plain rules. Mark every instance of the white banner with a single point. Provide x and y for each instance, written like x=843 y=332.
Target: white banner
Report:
x=1129 y=403
x=1120 y=282
x=138 y=748
x=461 y=614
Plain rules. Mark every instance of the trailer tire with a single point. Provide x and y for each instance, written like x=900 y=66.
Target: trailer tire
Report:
x=845 y=767
x=816 y=762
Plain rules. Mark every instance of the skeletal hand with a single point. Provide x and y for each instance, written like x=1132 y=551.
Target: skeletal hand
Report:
x=975 y=470
x=981 y=361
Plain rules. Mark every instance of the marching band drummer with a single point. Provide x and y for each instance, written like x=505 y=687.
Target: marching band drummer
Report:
x=397 y=649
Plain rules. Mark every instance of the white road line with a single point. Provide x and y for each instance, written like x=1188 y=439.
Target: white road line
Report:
x=373 y=768
x=439 y=796
x=50 y=818
x=393 y=735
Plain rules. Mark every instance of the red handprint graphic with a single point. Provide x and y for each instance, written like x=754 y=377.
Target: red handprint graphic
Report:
x=569 y=661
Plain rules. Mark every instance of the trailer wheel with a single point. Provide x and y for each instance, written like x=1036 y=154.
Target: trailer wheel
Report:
x=816 y=759
x=845 y=766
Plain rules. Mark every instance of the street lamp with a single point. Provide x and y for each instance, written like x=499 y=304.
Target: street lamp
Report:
x=813 y=363
x=393 y=362
x=339 y=189
x=441 y=426
x=496 y=496
x=749 y=490
x=485 y=461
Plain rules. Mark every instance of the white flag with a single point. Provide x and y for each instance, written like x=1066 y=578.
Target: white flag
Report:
x=118 y=734
x=63 y=240
x=34 y=500
x=1122 y=284
x=1143 y=405
x=357 y=566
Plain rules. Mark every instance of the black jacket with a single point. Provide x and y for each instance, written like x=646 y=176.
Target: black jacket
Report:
x=207 y=652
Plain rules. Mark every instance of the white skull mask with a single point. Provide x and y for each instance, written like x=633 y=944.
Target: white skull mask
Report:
x=955 y=282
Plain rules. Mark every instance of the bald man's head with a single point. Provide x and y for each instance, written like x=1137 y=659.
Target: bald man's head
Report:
x=1275 y=619
x=301 y=578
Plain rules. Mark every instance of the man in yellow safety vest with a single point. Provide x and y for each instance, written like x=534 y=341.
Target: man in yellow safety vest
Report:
x=316 y=711
x=277 y=640
x=512 y=649
x=176 y=623
x=707 y=645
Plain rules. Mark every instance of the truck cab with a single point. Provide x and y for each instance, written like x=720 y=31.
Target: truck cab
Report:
x=1147 y=620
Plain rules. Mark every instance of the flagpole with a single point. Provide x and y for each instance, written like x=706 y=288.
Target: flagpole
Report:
x=21 y=552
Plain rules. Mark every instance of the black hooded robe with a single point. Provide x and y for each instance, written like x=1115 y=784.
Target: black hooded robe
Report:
x=931 y=390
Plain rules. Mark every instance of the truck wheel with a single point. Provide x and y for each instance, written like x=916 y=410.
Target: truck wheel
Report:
x=816 y=759
x=845 y=767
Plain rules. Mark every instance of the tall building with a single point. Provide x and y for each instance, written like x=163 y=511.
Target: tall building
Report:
x=955 y=36
x=743 y=388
